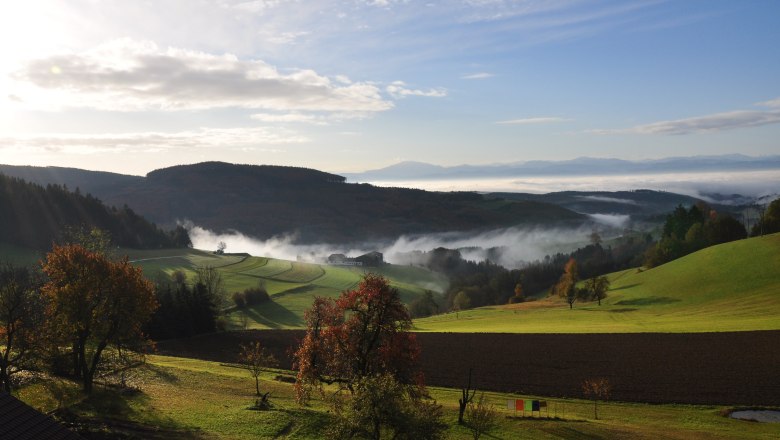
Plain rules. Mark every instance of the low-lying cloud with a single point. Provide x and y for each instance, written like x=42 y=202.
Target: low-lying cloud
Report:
x=697 y=184
x=511 y=247
x=613 y=220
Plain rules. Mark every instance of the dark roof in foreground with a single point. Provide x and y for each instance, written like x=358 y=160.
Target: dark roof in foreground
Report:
x=19 y=421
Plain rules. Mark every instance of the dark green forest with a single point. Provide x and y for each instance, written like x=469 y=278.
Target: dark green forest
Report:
x=35 y=216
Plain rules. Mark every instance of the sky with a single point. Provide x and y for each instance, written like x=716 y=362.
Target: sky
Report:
x=131 y=86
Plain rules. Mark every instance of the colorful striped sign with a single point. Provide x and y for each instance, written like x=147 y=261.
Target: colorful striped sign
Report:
x=519 y=405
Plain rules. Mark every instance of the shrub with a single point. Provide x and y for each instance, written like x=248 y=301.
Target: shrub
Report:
x=256 y=295
x=480 y=417
x=239 y=299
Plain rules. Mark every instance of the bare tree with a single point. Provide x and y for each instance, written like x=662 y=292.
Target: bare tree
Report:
x=467 y=395
x=211 y=278
x=255 y=358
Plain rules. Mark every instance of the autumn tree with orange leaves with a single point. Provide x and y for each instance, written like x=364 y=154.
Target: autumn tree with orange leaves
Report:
x=362 y=333
x=20 y=315
x=94 y=303
x=361 y=343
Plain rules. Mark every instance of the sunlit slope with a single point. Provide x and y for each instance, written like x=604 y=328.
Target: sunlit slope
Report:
x=292 y=285
x=730 y=287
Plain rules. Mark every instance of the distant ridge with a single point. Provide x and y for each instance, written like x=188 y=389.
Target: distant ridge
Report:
x=265 y=201
x=582 y=166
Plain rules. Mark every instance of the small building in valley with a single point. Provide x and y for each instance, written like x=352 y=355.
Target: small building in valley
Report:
x=371 y=259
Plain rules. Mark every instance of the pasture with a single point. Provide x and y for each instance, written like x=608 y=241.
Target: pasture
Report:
x=291 y=284
x=182 y=398
x=729 y=287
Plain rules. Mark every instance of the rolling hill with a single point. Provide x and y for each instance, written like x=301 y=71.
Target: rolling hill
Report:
x=316 y=207
x=291 y=284
x=729 y=287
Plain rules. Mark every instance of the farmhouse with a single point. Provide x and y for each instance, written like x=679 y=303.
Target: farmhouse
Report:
x=342 y=260
x=371 y=259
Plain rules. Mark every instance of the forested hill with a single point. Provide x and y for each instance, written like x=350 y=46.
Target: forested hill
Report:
x=264 y=201
x=34 y=216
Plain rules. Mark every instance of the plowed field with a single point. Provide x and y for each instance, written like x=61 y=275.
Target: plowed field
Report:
x=698 y=368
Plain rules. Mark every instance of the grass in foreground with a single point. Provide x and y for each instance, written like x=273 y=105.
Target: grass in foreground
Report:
x=730 y=287
x=193 y=399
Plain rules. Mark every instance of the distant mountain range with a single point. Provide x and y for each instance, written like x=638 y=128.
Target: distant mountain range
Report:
x=582 y=166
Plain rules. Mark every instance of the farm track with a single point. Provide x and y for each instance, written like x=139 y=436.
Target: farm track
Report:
x=735 y=368
x=300 y=273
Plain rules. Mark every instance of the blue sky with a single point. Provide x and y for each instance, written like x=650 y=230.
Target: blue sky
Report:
x=131 y=86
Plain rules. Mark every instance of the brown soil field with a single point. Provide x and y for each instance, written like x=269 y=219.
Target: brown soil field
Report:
x=735 y=368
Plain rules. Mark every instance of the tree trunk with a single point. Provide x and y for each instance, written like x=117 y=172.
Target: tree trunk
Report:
x=89 y=371
x=257 y=385
x=596 y=408
x=465 y=399
x=5 y=381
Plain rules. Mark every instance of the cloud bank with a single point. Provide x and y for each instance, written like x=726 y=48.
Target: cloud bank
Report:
x=511 y=247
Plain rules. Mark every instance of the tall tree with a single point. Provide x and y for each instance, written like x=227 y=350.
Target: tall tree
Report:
x=769 y=222
x=362 y=333
x=597 y=288
x=567 y=284
x=20 y=316
x=211 y=279
x=93 y=303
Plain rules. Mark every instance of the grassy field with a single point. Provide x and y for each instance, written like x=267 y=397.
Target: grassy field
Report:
x=730 y=287
x=292 y=285
x=192 y=399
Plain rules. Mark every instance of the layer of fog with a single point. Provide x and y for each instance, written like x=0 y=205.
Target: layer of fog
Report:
x=754 y=184
x=510 y=247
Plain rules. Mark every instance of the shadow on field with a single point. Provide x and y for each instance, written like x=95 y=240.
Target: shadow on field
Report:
x=112 y=414
x=627 y=286
x=272 y=315
x=651 y=300
x=161 y=373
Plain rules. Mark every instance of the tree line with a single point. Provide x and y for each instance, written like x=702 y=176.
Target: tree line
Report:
x=477 y=284
x=35 y=216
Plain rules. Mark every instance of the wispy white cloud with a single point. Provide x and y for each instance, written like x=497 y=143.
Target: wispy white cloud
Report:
x=127 y=75
x=771 y=103
x=532 y=121
x=256 y=6
x=289 y=117
x=702 y=124
x=398 y=89
x=480 y=75
x=223 y=138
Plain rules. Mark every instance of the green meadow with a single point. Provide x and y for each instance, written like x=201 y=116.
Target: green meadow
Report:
x=291 y=284
x=729 y=287
x=192 y=399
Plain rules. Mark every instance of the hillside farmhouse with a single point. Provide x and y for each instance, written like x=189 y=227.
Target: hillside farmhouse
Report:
x=371 y=259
